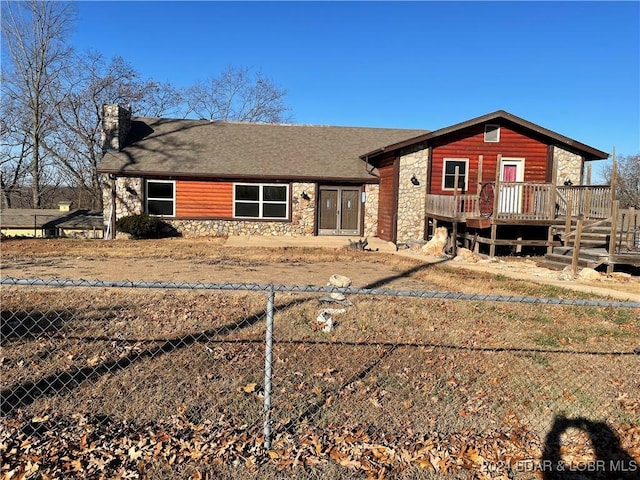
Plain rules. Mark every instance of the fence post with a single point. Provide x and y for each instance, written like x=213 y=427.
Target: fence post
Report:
x=268 y=357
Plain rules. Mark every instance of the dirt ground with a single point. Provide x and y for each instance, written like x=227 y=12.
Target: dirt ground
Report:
x=198 y=261
x=362 y=274
x=211 y=261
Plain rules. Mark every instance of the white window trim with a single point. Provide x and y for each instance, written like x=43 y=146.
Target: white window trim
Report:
x=444 y=174
x=147 y=198
x=492 y=126
x=261 y=201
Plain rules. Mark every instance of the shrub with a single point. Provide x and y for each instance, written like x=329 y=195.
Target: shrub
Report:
x=145 y=226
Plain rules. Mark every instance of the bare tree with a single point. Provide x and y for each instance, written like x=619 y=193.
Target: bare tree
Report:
x=237 y=95
x=628 y=180
x=15 y=152
x=159 y=100
x=34 y=52
x=75 y=144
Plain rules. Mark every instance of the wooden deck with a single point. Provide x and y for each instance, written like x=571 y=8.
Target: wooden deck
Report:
x=517 y=206
x=515 y=202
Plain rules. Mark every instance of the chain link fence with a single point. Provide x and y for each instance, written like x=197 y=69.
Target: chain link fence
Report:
x=165 y=380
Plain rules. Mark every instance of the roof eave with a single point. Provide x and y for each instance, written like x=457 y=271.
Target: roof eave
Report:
x=243 y=177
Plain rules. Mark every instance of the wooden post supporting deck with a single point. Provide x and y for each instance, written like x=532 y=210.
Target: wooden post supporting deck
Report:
x=567 y=219
x=550 y=239
x=496 y=196
x=454 y=234
x=631 y=215
x=615 y=207
x=587 y=204
x=553 y=198
x=576 y=248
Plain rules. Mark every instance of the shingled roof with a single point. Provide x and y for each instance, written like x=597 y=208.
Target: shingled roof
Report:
x=50 y=218
x=200 y=148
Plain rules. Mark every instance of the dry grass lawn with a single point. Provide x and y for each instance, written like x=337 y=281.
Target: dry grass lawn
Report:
x=101 y=383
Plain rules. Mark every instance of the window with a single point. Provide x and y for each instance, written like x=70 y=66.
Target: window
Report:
x=161 y=198
x=261 y=201
x=492 y=133
x=449 y=176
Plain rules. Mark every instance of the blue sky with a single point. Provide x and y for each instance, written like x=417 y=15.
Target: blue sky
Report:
x=571 y=67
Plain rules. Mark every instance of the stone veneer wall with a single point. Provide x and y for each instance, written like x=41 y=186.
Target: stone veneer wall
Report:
x=569 y=166
x=129 y=196
x=412 y=198
x=302 y=213
x=372 y=192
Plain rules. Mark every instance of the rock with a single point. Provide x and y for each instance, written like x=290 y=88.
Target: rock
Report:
x=339 y=281
x=325 y=321
x=339 y=297
x=589 y=274
x=416 y=244
x=623 y=276
x=438 y=242
x=566 y=274
x=465 y=255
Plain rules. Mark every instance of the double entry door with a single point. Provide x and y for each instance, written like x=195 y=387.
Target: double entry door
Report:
x=339 y=211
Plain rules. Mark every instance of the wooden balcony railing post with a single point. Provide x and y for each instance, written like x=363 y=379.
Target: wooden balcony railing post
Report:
x=614 y=234
x=496 y=191
x=631 y=215
x=456 y=210
x=567 y=220
x=576 y=248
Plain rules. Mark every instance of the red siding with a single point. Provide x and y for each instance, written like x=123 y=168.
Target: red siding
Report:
x=387 y=201
x=198 y=199
x=469 y=143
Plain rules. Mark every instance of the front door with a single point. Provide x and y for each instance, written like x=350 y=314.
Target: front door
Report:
x=511 y=172
x=339 y=211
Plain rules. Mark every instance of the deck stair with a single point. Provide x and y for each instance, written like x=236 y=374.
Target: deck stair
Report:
x=594 y=242
x=561 y=258
x=594 y=235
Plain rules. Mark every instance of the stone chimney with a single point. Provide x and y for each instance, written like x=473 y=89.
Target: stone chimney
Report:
x=116 y=123
x=64 y=206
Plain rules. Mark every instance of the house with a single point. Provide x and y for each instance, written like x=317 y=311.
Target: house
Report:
x=219 y=178
x=50 y=222
x=497 y=173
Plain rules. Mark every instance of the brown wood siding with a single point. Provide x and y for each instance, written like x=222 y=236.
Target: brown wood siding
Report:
x=469 y=143
x=196 y=199
x=387 y=201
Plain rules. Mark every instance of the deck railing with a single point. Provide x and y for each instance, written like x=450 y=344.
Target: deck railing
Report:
x=524 y=201
x=458 y=206
x=587 y=201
